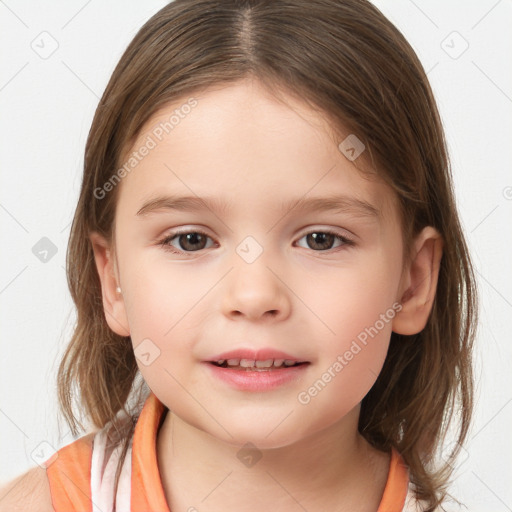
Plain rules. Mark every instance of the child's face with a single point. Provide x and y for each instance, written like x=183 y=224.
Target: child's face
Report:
x=256 y=280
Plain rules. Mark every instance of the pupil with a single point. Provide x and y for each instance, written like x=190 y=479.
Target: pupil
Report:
x=191 y=240
x=319 y=239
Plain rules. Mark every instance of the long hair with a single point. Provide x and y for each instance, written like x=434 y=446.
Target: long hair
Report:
x=345 y=59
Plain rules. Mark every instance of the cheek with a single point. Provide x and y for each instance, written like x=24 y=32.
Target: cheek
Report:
x=353 y=300
x=163 y=310
x=347 y=368
x=162 y=298
x=355 y=316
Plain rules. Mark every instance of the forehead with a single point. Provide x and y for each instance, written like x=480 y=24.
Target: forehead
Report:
x=245 y=147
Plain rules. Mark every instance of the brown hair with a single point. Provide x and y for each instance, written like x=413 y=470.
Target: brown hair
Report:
x=345 y=59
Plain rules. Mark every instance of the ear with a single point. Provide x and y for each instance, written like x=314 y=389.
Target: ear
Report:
x=419 y=283
x=113 y=302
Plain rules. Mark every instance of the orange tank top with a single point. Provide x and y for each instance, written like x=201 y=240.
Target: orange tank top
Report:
x=81 y=477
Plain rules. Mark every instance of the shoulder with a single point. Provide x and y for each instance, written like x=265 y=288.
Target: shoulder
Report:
x=29 y=491
x=39 y=487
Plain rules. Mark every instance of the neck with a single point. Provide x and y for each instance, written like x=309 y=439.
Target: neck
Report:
x=333 y=469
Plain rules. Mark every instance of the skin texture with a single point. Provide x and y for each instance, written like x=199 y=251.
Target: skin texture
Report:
x=29 y=491
x=246 y=148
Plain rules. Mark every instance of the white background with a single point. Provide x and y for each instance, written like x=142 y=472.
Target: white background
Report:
x=47 y=105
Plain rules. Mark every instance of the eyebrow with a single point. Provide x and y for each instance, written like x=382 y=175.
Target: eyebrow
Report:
x=333 y=203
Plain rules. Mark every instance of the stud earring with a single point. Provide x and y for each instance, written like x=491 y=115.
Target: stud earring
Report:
x=118 y=290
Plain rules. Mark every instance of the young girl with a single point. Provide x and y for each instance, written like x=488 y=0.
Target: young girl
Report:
x=276 y=305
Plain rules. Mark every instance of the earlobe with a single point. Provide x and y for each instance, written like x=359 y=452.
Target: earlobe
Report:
x=113 y=303
x=419 y=283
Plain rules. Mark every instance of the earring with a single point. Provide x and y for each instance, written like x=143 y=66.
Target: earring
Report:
x=118 y=290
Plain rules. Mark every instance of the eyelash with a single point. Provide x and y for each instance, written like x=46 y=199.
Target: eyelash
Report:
x=164 y=243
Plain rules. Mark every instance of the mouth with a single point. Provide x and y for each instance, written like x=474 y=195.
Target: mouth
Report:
x=251 y=370
x=252 y=365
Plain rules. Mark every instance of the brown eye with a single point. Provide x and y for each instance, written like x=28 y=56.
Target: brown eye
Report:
x=186 y=241
x=192 y=241
x=321 y=241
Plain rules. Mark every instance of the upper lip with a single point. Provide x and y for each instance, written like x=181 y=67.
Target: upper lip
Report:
x=262 y=354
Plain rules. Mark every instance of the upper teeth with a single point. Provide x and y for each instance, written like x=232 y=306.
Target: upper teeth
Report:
x=248 y=363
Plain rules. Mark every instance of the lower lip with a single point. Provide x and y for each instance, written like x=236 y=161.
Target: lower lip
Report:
x=254 y=380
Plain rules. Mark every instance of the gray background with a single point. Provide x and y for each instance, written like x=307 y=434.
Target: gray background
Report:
x=56 y=60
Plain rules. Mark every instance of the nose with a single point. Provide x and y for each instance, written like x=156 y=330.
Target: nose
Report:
x=256 y=291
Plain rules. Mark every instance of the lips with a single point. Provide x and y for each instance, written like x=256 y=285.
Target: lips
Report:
x=256 y=370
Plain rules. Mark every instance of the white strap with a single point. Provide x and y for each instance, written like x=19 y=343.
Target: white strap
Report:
x=103 y=471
